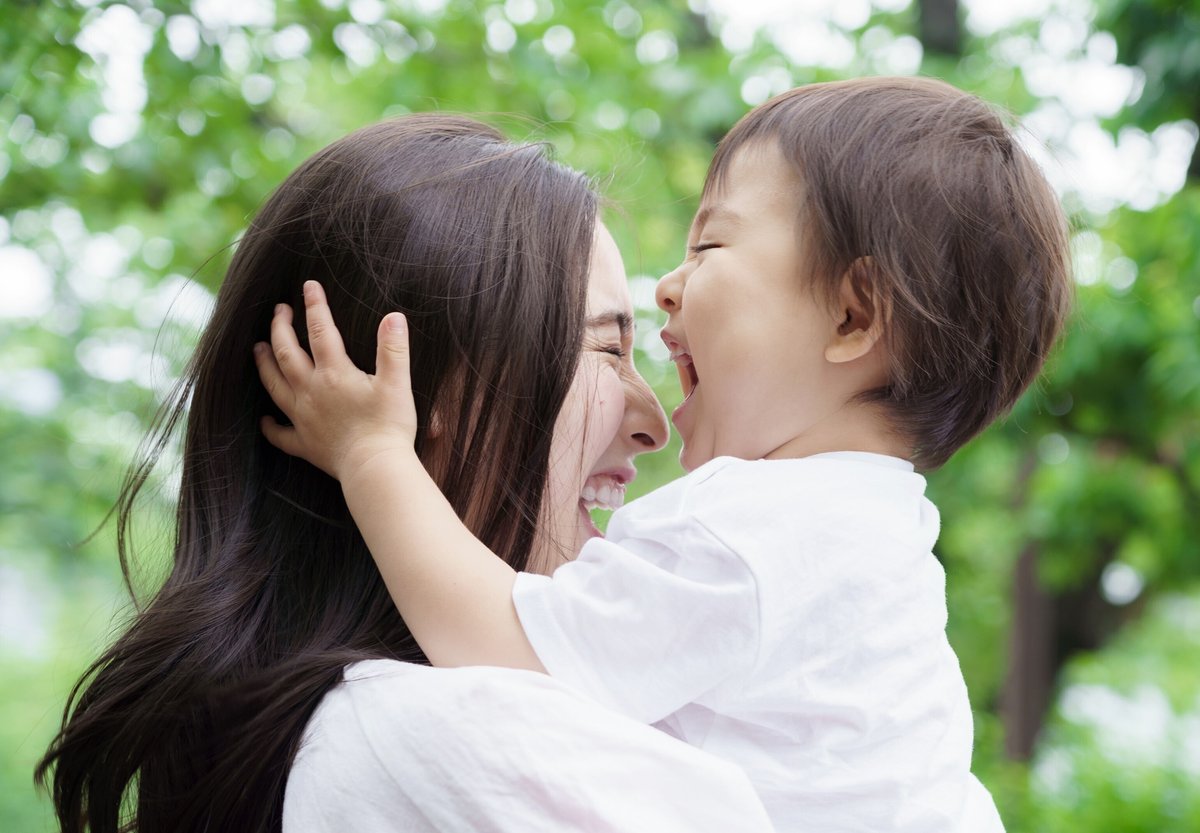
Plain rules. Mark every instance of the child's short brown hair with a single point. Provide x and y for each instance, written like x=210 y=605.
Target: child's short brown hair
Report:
x=962 y=239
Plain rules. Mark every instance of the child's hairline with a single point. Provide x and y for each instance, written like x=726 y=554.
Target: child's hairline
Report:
x=817 y=259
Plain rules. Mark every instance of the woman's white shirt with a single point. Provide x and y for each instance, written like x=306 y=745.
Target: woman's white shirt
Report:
x=401 y=747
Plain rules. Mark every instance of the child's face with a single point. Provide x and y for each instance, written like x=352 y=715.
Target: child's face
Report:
x=747 y=335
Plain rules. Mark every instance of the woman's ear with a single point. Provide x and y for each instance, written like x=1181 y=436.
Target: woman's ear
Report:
x=436 y=426
x=861 y=313
x=435 y=453
x=444 y=407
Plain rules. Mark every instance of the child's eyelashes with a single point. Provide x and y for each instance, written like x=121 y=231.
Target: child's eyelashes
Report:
x=703 y=247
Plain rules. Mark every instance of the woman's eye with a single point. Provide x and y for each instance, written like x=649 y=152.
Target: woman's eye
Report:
x=615 y=351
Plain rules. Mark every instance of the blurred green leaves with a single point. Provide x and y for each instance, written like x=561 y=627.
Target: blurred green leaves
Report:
x=136 y=139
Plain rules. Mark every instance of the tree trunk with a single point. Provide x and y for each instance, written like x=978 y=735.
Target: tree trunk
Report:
x=939 y=30
x=1031 y=660
x=1047 y=630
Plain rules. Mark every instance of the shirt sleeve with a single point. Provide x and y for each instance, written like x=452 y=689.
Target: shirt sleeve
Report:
x=645 y=625
x=497 y=750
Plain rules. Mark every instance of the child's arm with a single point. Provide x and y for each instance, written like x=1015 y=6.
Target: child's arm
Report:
x=455 y=595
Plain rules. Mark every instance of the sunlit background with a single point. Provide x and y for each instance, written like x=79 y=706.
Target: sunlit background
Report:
x=137 y=138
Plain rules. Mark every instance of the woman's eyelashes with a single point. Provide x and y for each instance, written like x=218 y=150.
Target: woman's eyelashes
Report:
x=610 y=341
x=607 y=347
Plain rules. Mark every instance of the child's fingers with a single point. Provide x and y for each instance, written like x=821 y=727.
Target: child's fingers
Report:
x=293 y=362
x=281 y=436
x=323 y=335
x=272 y=378
x=391 y=354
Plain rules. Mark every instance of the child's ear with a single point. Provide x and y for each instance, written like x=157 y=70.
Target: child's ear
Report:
x=860 y=313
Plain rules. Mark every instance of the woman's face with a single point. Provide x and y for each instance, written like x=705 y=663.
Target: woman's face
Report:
x=609 y=417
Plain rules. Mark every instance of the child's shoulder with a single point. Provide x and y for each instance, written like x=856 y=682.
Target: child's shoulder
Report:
x=745 y=490
x=682 y=494
x=726 y=478
x=788 y=512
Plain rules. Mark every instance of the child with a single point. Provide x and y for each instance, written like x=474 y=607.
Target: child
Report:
x=876 y=272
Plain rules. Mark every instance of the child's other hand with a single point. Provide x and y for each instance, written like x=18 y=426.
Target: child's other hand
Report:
x=341 y=417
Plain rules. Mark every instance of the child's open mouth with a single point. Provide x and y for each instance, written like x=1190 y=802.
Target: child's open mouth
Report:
x=688 y=378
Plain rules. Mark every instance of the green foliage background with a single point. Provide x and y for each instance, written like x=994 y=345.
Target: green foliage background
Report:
x=1094 y=479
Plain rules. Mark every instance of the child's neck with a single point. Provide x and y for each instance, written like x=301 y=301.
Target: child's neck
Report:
x=854 y=427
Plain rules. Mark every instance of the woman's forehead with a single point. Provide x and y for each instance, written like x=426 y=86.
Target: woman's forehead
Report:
x=608 y=290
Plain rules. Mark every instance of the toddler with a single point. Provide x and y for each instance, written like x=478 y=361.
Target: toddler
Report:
x=876 y=272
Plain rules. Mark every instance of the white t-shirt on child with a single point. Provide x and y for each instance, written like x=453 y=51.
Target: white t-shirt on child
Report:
x=788 y=616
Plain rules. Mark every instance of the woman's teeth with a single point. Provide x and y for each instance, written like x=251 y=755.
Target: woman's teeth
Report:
x=602 y=496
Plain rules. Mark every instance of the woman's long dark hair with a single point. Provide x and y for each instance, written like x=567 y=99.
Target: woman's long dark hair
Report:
x=191 y=720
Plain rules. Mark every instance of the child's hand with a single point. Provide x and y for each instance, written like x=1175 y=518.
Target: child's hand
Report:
x=341 y=417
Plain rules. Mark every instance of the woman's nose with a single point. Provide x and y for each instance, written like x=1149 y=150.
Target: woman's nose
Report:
x=669 y=292
x=645 y=421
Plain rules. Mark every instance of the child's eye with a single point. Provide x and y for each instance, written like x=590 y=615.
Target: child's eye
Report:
x=703 y=247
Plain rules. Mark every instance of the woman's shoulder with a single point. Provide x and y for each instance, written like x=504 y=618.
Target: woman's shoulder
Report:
x=398 y=746
x=338 y=719
x=384 y=692
x=385 y=747
x=387 y=696
x=381 y=676
x=383 y=707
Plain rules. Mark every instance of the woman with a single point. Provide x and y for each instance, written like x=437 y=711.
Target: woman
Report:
x=194 y=718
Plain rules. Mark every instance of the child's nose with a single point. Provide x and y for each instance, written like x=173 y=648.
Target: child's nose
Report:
x=669 y=292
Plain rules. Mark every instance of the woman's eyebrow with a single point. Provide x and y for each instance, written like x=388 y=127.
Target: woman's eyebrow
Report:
x=615 y=316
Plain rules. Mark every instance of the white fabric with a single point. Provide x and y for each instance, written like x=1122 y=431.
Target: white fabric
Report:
x=789 y=616
x=398 y=747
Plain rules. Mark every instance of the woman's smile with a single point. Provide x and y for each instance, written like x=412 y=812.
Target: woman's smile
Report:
x=605 y=491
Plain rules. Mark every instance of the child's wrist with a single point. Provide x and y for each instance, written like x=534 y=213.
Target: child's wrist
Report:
x=367 y=464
